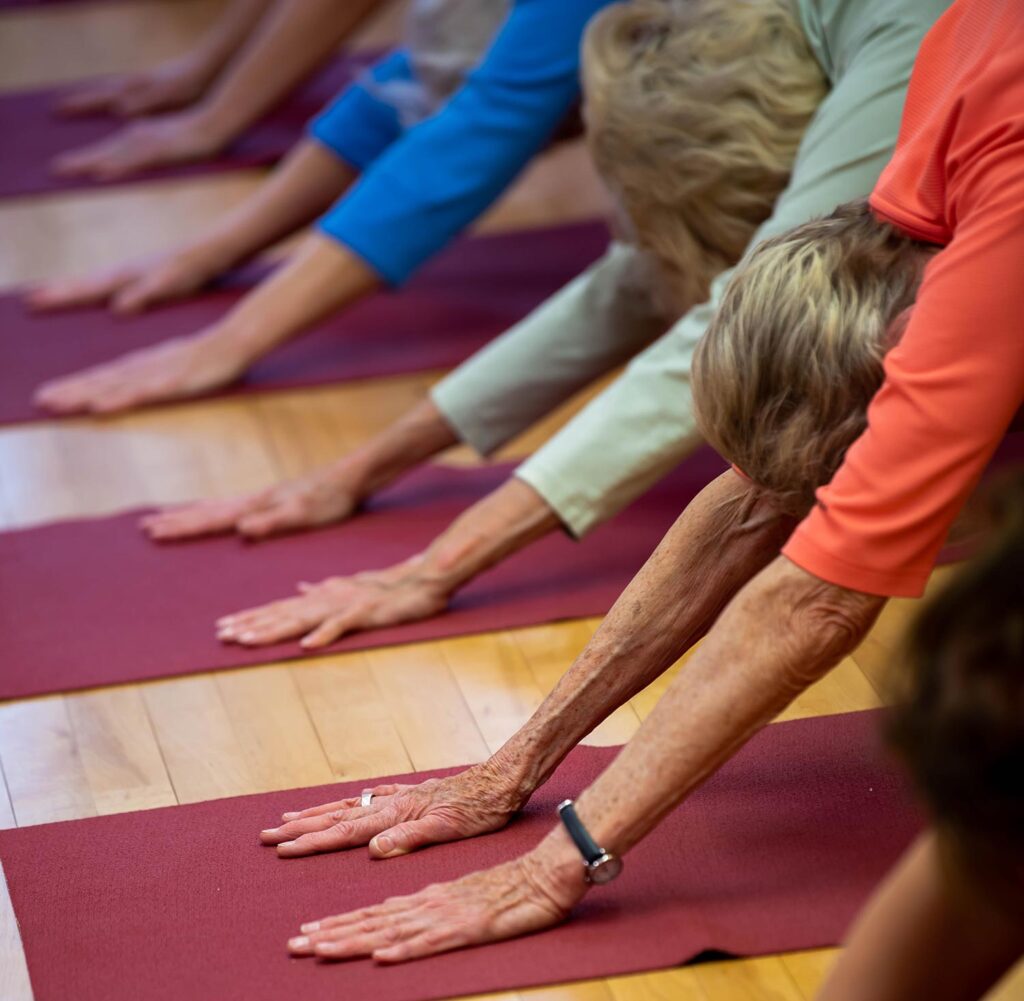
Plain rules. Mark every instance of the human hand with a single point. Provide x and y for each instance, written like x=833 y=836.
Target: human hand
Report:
x=324 y=612
x=133 y=287
x=519 y=897
x=172 y=370
x=324 y=496
x=179 y=137
x=402 y=818
x=172 y=84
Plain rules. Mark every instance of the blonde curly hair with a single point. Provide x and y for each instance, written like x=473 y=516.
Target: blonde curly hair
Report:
x=784 y=374
x=695 y=110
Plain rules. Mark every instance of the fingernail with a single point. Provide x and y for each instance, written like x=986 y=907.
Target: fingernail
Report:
x=299 y=942
x=286 y=844
x=247 y=637
x=383 y=844
x=288 y=816
x=310 y=926
x=269 y=830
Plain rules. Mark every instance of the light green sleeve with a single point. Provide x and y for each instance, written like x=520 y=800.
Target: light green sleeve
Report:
x=643 y=425
x=597 y=322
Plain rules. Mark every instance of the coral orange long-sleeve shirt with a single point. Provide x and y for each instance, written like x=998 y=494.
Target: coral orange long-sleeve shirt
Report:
x=956 y=379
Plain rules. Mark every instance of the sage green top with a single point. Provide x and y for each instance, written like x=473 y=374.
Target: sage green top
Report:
x=642 y=425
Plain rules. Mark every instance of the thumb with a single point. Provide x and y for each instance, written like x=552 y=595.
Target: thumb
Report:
x=404 y=838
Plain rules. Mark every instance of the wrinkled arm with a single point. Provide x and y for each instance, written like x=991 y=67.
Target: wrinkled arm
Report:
x=723 y=538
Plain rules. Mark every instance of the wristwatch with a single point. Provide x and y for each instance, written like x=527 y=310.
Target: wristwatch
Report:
x=599 y=866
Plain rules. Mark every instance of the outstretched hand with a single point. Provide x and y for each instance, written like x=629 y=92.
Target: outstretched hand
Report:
x=130 y=288
x=174 y=370
x=171 y=85
x=326 y=495
x=324 y=612
x=180 y=137
x=401 y=818
x=513 y=899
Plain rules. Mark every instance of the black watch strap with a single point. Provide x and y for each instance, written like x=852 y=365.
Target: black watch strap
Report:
x=587 y=846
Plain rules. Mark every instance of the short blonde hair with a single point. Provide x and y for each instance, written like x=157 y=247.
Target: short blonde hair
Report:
x=784 y=374
x=695 y=110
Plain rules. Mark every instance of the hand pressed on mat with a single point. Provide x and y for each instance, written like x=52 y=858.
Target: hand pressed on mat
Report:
x=526 y=895
x=133 y=287
x=170 y=85
x=324 y=612
x=324 y=496
x=180 y=137
x=173 y=370
x=402 y=818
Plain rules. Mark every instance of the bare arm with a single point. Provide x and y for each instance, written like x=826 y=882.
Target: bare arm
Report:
x=781 y=632
x=178 y=81
x=308 y=181
x=721 y=540
x=291 y=41
x=925 y=933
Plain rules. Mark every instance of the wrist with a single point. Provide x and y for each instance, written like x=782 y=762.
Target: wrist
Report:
x=556 y=866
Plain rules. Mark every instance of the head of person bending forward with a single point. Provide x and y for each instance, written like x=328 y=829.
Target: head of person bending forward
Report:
x=786 y=370
x=695 y=110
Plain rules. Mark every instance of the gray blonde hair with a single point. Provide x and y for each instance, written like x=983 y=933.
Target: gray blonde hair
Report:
x=695 y=110
x=784 y=374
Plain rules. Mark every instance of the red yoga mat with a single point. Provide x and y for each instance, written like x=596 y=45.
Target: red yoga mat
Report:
x=42 y=134
x=776 y=852
x=130 y=609
x=469 y=294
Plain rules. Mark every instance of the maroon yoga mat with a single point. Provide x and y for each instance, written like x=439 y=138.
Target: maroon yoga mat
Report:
x=776 y=852
x=42 y=134
x=130 y=609
x=469 y=294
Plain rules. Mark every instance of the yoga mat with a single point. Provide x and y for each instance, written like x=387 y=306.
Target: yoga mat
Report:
x=776 y=852
x=469 y=294
x=95 y=602
x=42 y=133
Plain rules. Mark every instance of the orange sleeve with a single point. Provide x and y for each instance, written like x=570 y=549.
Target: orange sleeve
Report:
x=952 y=387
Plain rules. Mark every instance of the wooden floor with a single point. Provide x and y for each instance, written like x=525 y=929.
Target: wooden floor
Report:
x=359 y=715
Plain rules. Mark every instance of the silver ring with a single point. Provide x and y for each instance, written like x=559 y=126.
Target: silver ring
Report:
x=366 y=799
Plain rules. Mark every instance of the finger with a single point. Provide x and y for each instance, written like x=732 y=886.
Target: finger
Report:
x=358 y=937
x=195 y=519
x=277 y=518
x=280 y=628
x=341 y=834
x=307 y=825
x=75 y=292
x=99 y=96
x=427 y=943
x=331 y=629
x=407 y=837
x=391 y=907
x=341 y=804
x=260 y=621
x=393 y=934
x=134 y=297
x=83 y=160
x=67 y=395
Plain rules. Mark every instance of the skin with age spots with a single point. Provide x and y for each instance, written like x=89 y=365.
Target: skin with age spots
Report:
x=721 y=553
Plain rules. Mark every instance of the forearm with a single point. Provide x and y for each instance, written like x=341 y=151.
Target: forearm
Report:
x=227 y=35
x=302 y=187
x=413 y=439
x=723 y=538
x=915 y=916
x=781 y=633
x=320 y=278
x=293 y=40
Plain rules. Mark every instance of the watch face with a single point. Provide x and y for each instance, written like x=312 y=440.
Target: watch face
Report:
x=605 y=869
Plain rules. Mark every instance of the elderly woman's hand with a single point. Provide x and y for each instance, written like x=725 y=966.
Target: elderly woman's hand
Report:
x=522 y=896
x=402 y=818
